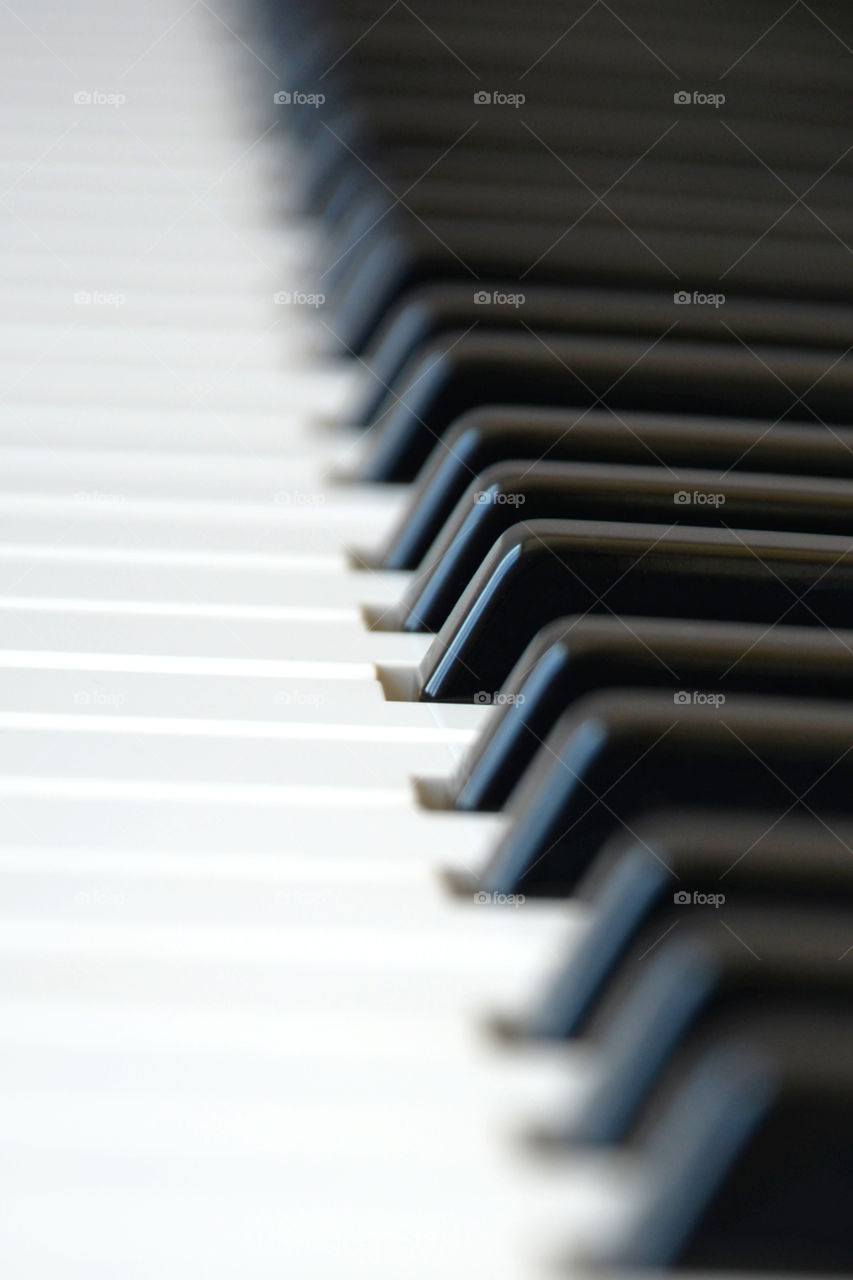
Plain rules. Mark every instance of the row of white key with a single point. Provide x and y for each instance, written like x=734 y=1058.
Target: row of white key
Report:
x=239 y=1013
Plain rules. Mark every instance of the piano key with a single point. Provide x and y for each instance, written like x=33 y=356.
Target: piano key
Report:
x=186 y=638
x=704 y=857
x=482 y=437
x=535 y=170
x=152 y=577
x=132 y=386
x=232 y=478
x=619 y=754
x=30 y=695
x=698 y=978
x=373 y=129
x=260 y=755
x=443 y=205
x=698 y=662
x=756 y=1109
x=432 y=309
x=239 y=1028
x=547 y=569
x=377 y=281
x=298 y=523
x=174 y=430
x=452 y=375
x=505 y=494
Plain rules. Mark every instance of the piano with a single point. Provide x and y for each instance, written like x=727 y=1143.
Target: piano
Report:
x=426 y=640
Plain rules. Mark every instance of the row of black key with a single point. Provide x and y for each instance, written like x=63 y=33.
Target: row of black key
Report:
x=595 y=268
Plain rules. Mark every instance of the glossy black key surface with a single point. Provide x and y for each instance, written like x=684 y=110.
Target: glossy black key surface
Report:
x=507 y=494
x=714 y=962
x=643 y=884
x=578 y=656
x=486 y=436
x=617 y=756
x=549 y=569
x=708 y=379
x=440 y=202
x=750 y=1159
x=424 y=314
x=476 y=176
x=594 y=255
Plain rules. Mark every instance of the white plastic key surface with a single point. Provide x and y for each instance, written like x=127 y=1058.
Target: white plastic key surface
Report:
x=240 y=1013
x=110 y=521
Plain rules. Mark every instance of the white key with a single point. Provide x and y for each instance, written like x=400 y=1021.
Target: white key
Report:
x=169 y=578
x=277 y=484
x=156 y=637
x=309 y=699
x=108 y=520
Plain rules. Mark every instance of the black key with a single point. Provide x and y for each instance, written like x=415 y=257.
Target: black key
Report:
x=618 y=756
x=575 y=657
x=645 y=885
x=426 y=313
x=750 y=1160
x=442 y=203
x=549 y=569
x=716 y=962
x=701 y=379
x=592 y=255
x=485 y=436
x=507 y=494
x=476 y=174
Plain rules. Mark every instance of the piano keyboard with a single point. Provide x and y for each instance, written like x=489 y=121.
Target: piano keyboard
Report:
x=426 y=642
